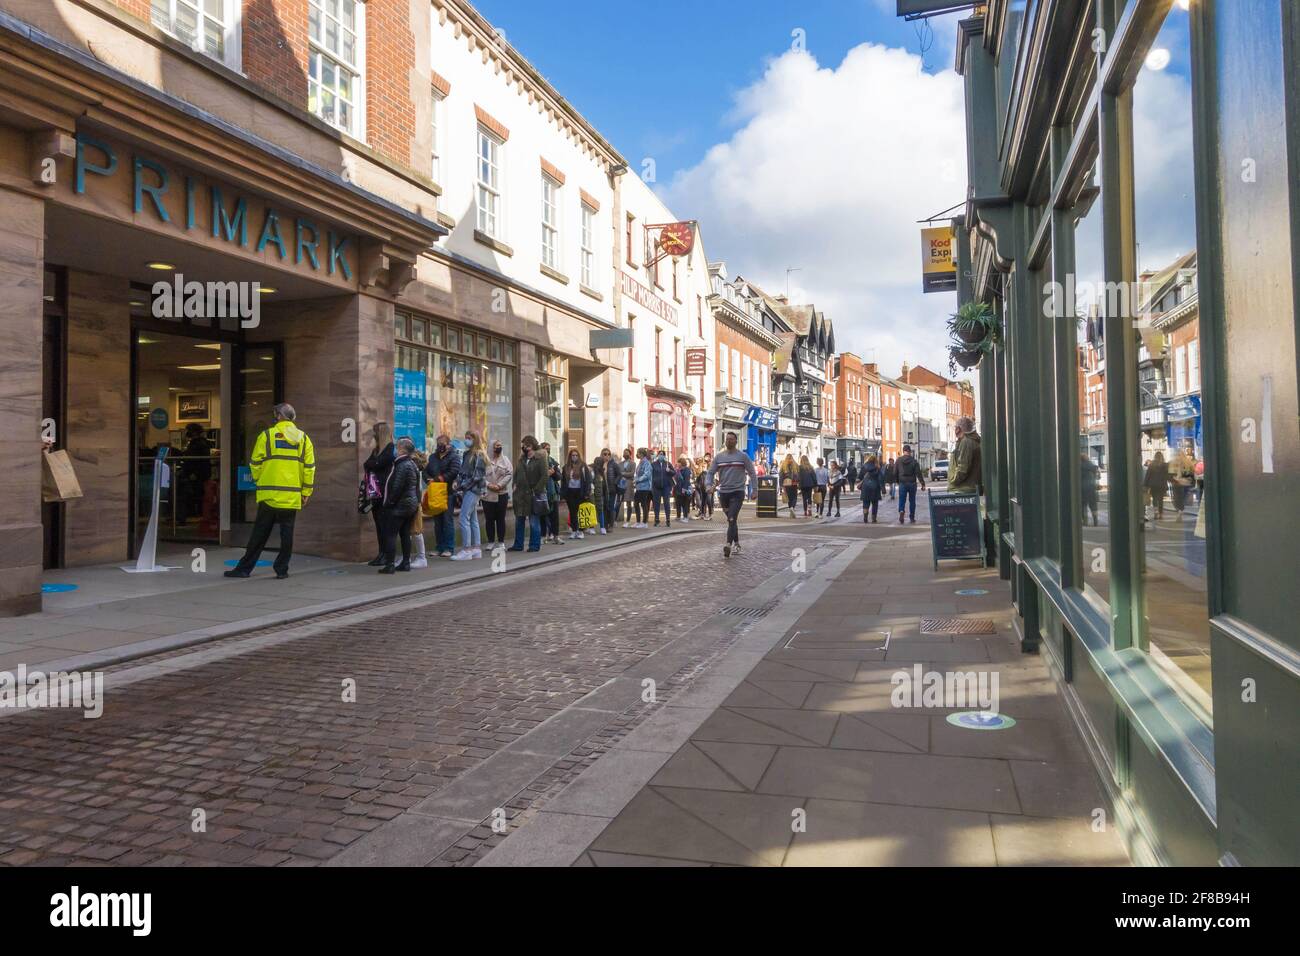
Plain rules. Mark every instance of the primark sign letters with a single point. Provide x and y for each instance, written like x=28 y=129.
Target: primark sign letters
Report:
x=193 y=204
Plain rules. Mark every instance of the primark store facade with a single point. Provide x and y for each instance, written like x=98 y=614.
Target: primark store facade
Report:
x=1133 y=219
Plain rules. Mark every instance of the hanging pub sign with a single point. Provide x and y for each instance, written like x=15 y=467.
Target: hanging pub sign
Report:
x=938 y=270
x=696 y=361
x=804 y=406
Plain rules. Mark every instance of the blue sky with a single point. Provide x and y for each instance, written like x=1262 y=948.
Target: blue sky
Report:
x=658 y=83
x=805 y=135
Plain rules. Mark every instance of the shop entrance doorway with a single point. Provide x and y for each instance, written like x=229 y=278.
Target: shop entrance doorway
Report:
x=182 y=384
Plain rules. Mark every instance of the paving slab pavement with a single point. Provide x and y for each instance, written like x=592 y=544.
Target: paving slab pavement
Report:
x=809 y=759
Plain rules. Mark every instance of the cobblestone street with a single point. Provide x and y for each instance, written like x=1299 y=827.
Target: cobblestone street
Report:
x=253 y=731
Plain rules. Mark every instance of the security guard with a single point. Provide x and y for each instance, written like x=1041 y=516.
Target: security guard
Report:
x=283 y=465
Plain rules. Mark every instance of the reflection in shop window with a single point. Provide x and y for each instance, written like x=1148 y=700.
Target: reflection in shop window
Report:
x=1090 y=306
x=1171 y=450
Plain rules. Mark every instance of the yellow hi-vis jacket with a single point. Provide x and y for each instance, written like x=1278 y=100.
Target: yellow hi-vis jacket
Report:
x=283 y=465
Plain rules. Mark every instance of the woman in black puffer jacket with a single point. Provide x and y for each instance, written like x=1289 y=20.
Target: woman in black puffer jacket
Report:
x=401 y=501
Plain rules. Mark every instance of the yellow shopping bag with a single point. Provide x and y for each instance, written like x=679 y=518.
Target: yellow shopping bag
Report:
x=435 y=499
x=586 y=516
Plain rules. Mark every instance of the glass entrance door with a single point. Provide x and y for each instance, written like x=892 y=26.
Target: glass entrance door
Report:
x=179 y=407
x=258 y=388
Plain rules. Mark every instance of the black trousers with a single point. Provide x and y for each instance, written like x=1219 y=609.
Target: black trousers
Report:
x=730 y=501
x=397 y=526
x=377 y=512
x=266 y=517
x=494 y=515
x=834 y=498
x=683 y=503
x=791 y=496
x=573 y=499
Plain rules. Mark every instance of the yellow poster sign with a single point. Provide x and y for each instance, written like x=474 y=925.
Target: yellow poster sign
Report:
x=938 y=267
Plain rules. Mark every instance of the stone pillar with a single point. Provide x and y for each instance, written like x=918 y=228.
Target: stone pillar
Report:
x=22 y=262
x=338 y=365
x=98 y=430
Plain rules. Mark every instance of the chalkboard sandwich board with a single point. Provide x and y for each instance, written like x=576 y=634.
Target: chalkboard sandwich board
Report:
x=956 y=529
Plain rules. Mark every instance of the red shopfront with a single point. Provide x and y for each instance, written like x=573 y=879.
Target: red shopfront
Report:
x=669 y=426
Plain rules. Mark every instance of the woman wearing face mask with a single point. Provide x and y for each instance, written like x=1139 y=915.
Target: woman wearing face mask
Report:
x=576 y=486
x=627 y=485
x=643 y=481
x=496 y=498
x=471 y=482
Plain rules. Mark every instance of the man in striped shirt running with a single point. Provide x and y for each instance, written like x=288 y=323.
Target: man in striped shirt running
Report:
x=731 y=471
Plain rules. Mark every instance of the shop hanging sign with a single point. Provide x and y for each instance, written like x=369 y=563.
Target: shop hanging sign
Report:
x=760 y=417
x=938 y=269
x=138 y=188
x=677 y=238
x=697 y=360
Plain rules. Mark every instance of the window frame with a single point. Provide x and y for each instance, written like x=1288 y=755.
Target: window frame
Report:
x=358 y=101
x=552 y=228
x=496 y=190
x=587 y=246
x=232 y=33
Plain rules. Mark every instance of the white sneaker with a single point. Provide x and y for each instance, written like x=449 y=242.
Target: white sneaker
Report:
x=626 y=525
x=462 y=556
x=603 y=531
x=578 y=535
x=476 y=552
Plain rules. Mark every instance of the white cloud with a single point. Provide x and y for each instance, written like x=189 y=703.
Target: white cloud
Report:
x=828 y=172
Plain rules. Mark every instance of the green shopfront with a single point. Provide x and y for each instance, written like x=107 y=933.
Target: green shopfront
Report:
x=1133 y=218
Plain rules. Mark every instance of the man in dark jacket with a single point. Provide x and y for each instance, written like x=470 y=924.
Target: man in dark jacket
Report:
x=662 y=474
x=891 y=475
x=401 y=499
x=908 y=472
x=444 y=465
x=529 y=485
x=852 y=475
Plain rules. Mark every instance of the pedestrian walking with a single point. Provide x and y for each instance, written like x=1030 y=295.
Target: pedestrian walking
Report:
x=1182 y=477
x=891 y=476
x=377 y=467
x=964 y=470
x=907 y=471
x=283 y=466
x=576 y=486
x=683 y=488
x=497 y=482
x=838 y=479
x=852 y=475
x=470 y=483
x=661 y=486
x=401 y=503
x=443 y=466
x=643 y=484
x=1156 y=481
x=1089 y=483
x=531 y=503
x=807 y=484
x=823 y=483
x=790 y=482
x=731 y=470
x=873 y=487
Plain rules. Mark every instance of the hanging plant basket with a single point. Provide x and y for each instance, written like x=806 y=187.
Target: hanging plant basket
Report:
x=968 y=358
x=973 y=324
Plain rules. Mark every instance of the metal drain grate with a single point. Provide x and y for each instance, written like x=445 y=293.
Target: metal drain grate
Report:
x=957 y=625
x=735 y=611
